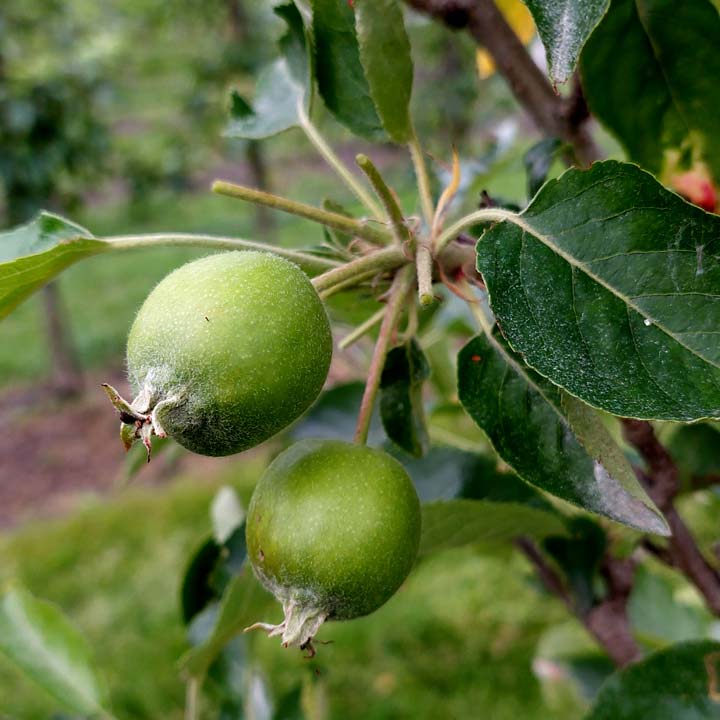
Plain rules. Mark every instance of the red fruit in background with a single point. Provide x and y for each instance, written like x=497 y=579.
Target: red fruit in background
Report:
x=697 y=187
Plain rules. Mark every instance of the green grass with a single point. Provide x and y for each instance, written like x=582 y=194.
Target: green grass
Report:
x=456 y=642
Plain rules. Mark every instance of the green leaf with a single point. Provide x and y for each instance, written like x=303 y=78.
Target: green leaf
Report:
x=283 y=89
x=31 y=255
x=523 y=416
x=538 y=160
x=650 y=75
x=38 y=639
x=196 y=591
x=450 y=524
x=275 y=107
x=608 y=285
x=446 y=473
x=696 y=452
x=385 y=56
x=564 y=27
x=401 y=403
x=217 y=560
x=340 y=75
x=659 y=615
x=579 y=555
x=241 y=606
x=680 y=683
x=334 y=416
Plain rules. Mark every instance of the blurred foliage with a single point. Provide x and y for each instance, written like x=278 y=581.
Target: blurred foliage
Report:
x=52 y=142
x=459 y=636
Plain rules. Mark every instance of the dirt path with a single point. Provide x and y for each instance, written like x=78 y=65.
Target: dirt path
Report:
x=53 y=453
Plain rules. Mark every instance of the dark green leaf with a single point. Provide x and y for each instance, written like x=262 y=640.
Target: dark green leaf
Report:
x=579 y=555
x=196 y=591
x=294 y=44
x=696 y=451
x=450 y=524
x=39 y=640
x=564 y=26
x=659 y=616
x=33 y=254
x=340 y=76
x=608 y=285
x=242 y=604
x=401 y=403
x=334 y=416
x=385 y=56
x=231 y=562
x=538 y=160
x=283 y=89
x=650 y=75
x=446 y=473
x=523 y=416
x=680 y=683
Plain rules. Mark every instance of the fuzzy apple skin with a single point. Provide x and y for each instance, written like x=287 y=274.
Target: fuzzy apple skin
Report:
x=237 y=345
x=333 y=528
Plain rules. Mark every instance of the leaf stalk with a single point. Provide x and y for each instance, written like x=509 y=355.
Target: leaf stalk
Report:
x=402 y=283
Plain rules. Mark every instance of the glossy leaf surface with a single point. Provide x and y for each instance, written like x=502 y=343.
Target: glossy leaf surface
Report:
x=609 y=285
x=340 y=74
x=522 y=415
x=564 y=26
x=401 y=403
x=679 y=683
x=334 y=416
x=33 y=254
x=446 y=473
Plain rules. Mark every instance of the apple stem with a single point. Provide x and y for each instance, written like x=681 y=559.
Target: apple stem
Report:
x=485 y=215
x=387 y=197
x=349 y=283
x=424 y=269
x=362 y=329
x=423 y=179
x=309 y=263
x=402 y=283
x=365 y=229
x=379 y=261
x=315 y=137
